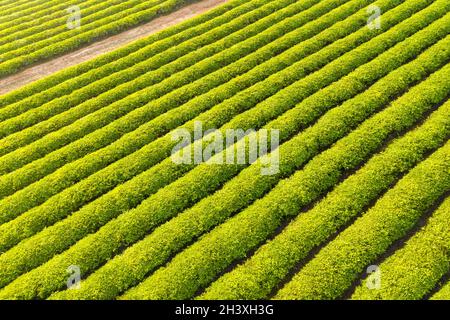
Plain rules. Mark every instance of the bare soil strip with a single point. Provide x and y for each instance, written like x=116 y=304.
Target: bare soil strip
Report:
x=111 y=43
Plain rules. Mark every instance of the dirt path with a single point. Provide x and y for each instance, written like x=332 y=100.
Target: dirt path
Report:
x=39 y=71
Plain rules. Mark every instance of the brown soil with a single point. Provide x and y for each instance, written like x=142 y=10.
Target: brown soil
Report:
x=111 y=43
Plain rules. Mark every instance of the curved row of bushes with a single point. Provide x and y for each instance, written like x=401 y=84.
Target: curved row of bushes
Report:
x=412 y=271
x=359 y=245
x=258 y=276
x=70 y=79
x=184 y=81
x=67 y=41
x=62 y=114
x=156 y=207
x=128 y=167
x=199 y=264
x=148 y=156
x=128 y=141
x=162 y=124
x=162 y=147
x=20 y=31
x=443 y=293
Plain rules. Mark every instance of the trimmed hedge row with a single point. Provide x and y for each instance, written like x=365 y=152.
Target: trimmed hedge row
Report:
x=127 y=168
x=66 y=44
x=115 y=170
x=17 y=11
x=137 y=261
x=414 y=270
x=15 y=34
x=35 y=17
x=257 y=277
x=215 y=114
x=123 y=169
x=9 y=3
x=16 y=39
x=131 y=226
x=39 y=40
x=197 y=265
x=5 y=4
x=139 y=138
x=372 y=234
x=443 y=293
x=73 y=39
x=151 y=85
x=72 y=78
x=130 y=143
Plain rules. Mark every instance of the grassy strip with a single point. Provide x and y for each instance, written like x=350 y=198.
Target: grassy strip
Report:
x=38 y=169
x=7 y=4
x=337 y=265
x=16 y=3
x=75 y=77
x=197 y=265
x=129 y=227
x=411 y=272
x=126 y=97
x=259 y=275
